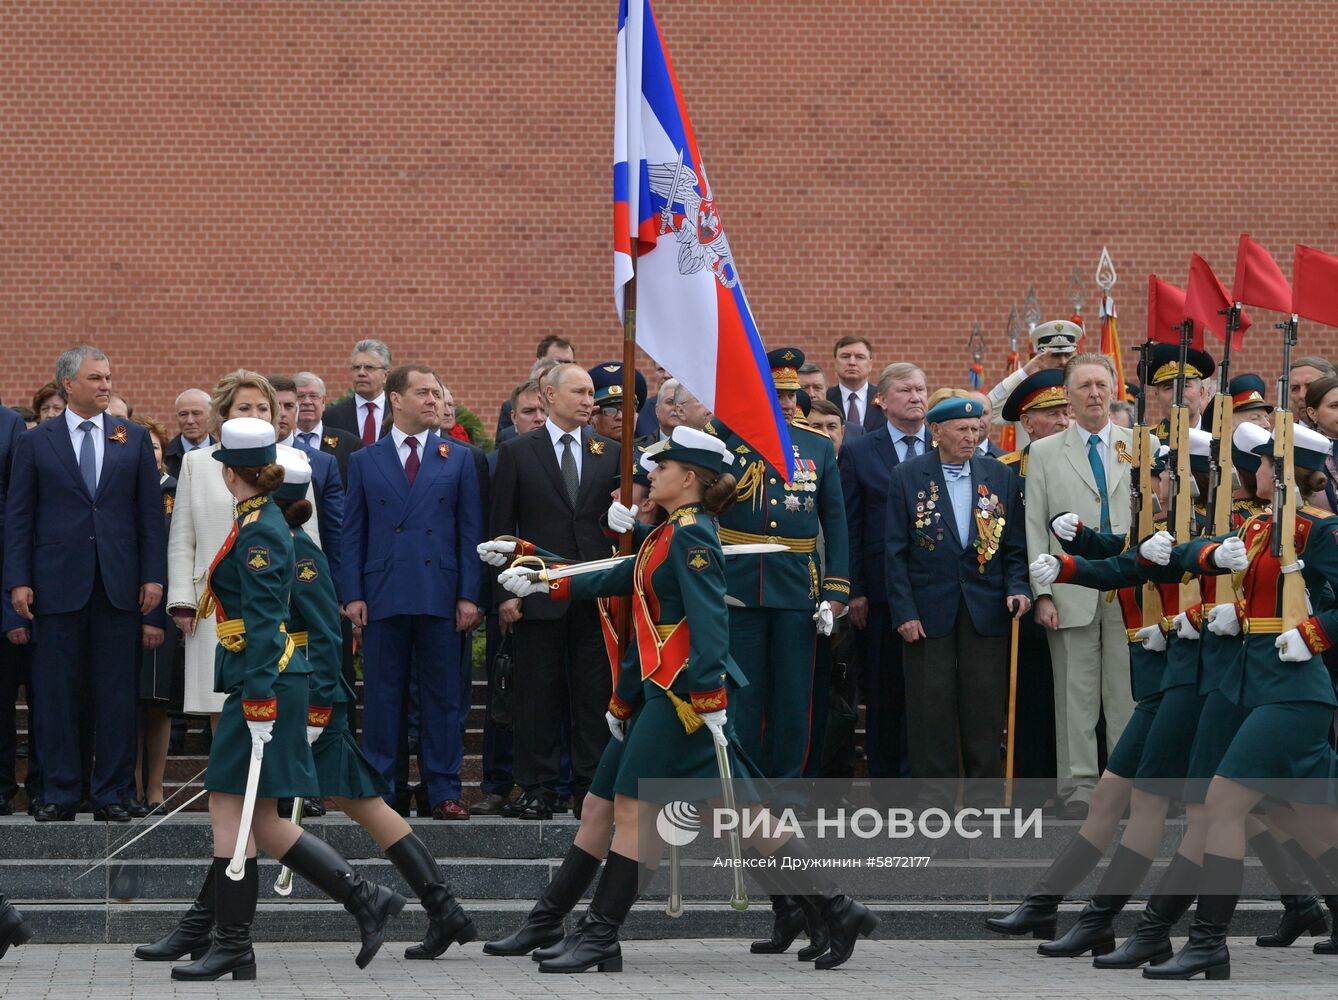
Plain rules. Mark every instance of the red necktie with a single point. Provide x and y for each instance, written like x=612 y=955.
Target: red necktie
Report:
x=411 y=463
x=852 y=410
x=369 y=425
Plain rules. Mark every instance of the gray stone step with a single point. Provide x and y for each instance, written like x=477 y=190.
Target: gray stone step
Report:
x=303 y=921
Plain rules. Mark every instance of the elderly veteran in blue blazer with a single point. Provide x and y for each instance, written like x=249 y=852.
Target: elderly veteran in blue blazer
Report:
x=956 y=565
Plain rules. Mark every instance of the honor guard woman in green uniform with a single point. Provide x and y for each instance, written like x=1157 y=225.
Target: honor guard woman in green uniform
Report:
x=342 y=772
x=677 y=583
x=266 y=681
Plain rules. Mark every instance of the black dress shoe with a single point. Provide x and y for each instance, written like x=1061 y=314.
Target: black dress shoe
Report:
x=137 y=809
x=155 y=809
x=1073 y=809
x=52 y=813
x=490 y=805
x=112 y=812
x=312 y=807
x=537 y=808
x=564 y=804
x=6 y=807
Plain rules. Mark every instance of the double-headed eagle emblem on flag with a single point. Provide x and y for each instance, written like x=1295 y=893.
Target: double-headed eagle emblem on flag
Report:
x=701 y=236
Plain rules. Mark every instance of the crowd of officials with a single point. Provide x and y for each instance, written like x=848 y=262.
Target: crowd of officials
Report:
x=908 y=540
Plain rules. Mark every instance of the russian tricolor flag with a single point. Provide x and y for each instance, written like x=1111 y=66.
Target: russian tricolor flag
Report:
x=691 y=313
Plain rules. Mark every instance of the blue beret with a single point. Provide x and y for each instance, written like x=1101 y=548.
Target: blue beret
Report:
x=956 y=408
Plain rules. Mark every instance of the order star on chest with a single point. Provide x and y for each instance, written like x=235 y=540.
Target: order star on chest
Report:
x=792 y=503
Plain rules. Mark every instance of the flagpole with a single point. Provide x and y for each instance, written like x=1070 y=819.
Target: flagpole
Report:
x=622 y=621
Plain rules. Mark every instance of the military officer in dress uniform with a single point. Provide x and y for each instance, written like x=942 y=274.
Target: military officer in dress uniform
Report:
x=1041 y=406
x=772 y=633
x=1199 y=367
x=607 y=418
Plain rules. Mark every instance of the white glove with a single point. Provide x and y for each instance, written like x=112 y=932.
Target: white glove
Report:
x=1222 y=620
x=1185 y=628
x=1066 y=526
x=261 y=733
x=1231 y=555
x=1044 y=571
x=496 y=553
x=1157 y=549
x=314 y=733
x=715 y=721
x=1292 y=648
x=616 y=726
x=823 y=616
x=621 y=518
x=1154 y=640
x=517 y=581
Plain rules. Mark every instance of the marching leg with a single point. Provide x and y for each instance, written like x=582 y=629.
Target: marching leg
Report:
x=1037 y=914
x=1325 y=884
x=234 y=909
x=193 y=934
x=1094 y=930
x=847 y=919
x=14 y=930
x=1151 y=939
x=1301 y=912
x=448 y=923
x=372 y=905
x=1206 y=949
x=597 y=944
x=543 y=927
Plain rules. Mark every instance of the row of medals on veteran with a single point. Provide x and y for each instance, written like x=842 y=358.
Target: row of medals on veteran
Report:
x=1231 y=707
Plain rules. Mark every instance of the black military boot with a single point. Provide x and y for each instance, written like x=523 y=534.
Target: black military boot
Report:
x=786 y=924
x=819 y=940
x=846 y=919
x=448 y=923
x=1038 y=913
x=1323 y=873
x=1151 y=939
x=1206 y=950
x=568 y=942
x=596 y=946
x=372 y=905
x=14 y=930
x=230 y=948
x=543 y=927
x=191 y=935
x=1301 y=912
x=1095 y=928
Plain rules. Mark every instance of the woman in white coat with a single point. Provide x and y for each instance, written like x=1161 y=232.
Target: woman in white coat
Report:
x=202 y=516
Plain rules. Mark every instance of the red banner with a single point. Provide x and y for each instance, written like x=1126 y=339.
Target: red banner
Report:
x=1166 y=310
x=1315 y=285
x=1206 y=303
x=1259 y=281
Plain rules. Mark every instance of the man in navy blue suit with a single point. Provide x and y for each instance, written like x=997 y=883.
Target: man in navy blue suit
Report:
x=12 y=659
x=866 y=466
x=956 y=562
x=327 y=484
x=85 y=557
x=411 y=580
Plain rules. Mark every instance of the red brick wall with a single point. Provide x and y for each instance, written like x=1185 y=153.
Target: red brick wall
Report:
x=194 y=186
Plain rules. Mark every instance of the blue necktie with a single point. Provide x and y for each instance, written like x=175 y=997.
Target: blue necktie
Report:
x=1099 y=474
x=910 y=442
x=306 y=437
x=88 y=458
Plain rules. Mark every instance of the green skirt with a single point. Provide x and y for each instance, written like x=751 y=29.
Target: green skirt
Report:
x=1219 y=722
x=1282 y=749
x=657 y=747
x=1161 y=769
x=287 y=769
x=341 y=769
x=1123 y=760
x=606 y=772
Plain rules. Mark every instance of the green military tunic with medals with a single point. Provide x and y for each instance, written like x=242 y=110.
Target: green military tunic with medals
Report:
x=256 y=664
x=772 y=634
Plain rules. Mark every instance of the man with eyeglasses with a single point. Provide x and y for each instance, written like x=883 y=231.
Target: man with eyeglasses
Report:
x=313 y=433
x=365 y=413
x=608 y=413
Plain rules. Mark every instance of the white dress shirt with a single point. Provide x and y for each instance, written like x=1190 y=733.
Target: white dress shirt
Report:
x=314 y=443
x=402 y=449
x=861 y=401
x=187 y=447
x=380 y=403
x=901 y=446
x=555 y=432
x=72 y=421
x=1103 y=446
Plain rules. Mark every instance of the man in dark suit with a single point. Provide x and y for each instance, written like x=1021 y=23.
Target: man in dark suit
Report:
x=552 y=486
x=552 y=349
x=312 y=433
x=85 y=557
x=866 y=464
x=365 y=413
x=853 y=393
x=986 y=448
x=956 y=564
x=13 y=661
x=327 y=484
x=192 y=407
x=411 y=578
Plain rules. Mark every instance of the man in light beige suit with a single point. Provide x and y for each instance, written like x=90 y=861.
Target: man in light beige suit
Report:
x=1088 y=645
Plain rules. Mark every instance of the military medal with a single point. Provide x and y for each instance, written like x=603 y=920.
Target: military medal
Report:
x=118 y=435
x=809 y=505
x=792 y=503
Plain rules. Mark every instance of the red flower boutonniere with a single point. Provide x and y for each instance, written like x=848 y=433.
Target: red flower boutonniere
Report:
x=596 y=447
x=443 y=450
x=118 y=435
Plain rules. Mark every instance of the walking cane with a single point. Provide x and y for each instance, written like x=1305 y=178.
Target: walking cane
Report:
x=1012 y=715
x=283 y=885
x=237 y=866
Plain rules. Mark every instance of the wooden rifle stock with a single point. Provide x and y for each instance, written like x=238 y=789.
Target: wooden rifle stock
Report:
x=1293 y=585
x=1182 y=503
x=1144 y=515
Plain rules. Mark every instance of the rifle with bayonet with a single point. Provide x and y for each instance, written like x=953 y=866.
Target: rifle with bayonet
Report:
x=1286 y=498
x=1181 y=516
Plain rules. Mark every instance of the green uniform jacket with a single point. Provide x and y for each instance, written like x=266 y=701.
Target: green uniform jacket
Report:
x=768 y=508
x=1256 y=676
x=314 y=609
x=252 y=582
